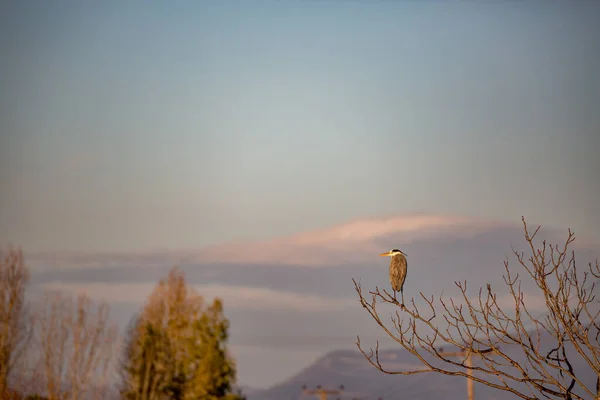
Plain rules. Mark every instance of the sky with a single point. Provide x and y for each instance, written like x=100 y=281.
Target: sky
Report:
x=136 y=126
x=131 y=126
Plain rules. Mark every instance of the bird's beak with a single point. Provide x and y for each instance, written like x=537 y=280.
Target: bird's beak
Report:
x=385 y=254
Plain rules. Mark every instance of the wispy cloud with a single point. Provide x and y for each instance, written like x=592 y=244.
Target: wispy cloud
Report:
x=239 y=297
x=355 y=241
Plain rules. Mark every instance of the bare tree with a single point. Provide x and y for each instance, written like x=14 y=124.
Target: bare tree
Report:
x=15 y=326
x=507 y=340
x=77 y=344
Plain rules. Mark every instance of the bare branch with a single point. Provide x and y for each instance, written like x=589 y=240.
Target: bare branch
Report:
x=15 y=324
x=493 y=333
x=77 y=342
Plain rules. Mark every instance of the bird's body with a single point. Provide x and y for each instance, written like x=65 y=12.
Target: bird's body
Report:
x=398 y=269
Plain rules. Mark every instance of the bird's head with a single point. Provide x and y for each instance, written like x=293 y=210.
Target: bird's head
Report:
x=393 y=253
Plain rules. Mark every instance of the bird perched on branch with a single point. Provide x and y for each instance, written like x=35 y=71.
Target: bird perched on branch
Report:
x=398 y=268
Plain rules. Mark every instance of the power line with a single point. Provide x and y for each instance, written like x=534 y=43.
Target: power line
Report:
x=323 y=393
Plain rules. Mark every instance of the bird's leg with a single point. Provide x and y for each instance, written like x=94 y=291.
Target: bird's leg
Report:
x=395 y=301
x=402 y=295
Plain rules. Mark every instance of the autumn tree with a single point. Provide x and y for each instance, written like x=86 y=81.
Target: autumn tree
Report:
x=77 y=344
x=511 y=355
x=176 y=347
x=144 y=376
x=15 y=324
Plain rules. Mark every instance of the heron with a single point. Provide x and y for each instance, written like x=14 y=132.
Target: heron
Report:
x=398 y=268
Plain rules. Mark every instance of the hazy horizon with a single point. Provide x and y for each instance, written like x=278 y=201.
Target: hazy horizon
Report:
x=290 y=300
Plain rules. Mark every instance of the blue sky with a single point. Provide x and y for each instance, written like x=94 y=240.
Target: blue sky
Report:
x=134 y=125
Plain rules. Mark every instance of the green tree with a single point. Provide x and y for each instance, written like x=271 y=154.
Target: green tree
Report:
x=143 y=372
x=216 y=371
x=177 y=347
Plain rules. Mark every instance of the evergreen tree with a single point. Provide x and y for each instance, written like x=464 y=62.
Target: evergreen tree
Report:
x=216 y=371
x=177 y=347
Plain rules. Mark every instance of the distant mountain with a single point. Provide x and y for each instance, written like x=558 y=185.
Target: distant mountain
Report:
x=362 y=380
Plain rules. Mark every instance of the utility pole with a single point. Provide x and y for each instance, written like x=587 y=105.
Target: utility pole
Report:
x=322 y=393
x=468 y=363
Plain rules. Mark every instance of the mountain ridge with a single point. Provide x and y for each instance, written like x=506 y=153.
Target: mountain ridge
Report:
x=362 y=380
